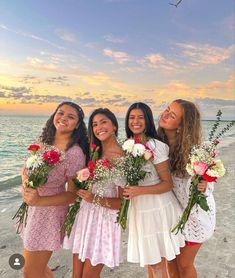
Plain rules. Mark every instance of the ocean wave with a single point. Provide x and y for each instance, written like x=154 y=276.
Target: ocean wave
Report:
x=10 y=183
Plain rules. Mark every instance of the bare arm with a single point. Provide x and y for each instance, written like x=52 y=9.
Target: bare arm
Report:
x=163 y=186
x=32 y=198
x=112 y=203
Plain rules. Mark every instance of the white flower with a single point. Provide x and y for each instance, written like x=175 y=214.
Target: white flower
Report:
x=217 y=170
x=33 y=162
x=138 y=150
x=189 y=169
x=128 y=145
x=220 y=167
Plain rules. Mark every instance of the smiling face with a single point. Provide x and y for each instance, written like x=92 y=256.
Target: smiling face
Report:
x=171 y=118
x=66 y=119
x=103 y=128
x=136 y=122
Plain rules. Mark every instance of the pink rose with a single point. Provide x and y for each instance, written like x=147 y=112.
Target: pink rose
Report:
x=83 y=174
x=200 y=168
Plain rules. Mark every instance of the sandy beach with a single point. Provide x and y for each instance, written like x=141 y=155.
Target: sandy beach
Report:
x=216 y=258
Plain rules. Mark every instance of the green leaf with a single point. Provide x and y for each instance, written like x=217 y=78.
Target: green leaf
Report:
x=203 y=203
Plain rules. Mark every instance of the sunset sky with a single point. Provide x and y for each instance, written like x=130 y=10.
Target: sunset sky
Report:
x=111 y=53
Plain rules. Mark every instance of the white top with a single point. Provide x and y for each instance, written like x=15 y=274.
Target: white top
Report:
x=152 y=216
x=201 y=224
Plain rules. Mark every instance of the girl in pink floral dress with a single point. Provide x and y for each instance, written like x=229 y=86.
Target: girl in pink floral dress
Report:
x=48 y=205
x=95 y=239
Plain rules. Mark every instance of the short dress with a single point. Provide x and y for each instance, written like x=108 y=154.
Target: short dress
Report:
x=95 y=234
x=201 y=224
x=152 y=216
x=42 y=231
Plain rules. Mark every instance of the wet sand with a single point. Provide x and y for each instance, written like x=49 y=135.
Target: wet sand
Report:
x=216 y=259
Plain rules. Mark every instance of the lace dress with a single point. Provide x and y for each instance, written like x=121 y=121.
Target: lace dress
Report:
x=201 y=224
x=42 y=231
x=152 y=216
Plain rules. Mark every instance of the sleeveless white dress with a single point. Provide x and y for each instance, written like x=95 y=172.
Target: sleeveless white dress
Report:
x=152 y=216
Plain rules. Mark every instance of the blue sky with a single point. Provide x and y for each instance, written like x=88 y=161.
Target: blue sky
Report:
x=115 y=52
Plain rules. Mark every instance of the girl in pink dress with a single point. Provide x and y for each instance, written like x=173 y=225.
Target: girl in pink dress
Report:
x=48 y=205
x=95 y=239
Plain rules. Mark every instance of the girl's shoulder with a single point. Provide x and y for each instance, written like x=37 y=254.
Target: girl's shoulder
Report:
x=155 y=143
x=74 y=150
x=160 y=150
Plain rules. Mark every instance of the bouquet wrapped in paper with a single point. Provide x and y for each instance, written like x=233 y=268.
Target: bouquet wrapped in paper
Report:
x=137 y=154
x=203 y=165
x=38 y=165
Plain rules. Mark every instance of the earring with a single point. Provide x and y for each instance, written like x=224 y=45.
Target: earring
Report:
x=177 y=130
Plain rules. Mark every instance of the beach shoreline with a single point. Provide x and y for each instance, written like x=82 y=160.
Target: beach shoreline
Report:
x=215 y=259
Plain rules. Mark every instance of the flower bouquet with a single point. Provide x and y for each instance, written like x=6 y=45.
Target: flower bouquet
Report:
x=82 y=181
x=137 y=154
x=203 y=165
x=104 y=171
x=38 y=165
x=97 y=172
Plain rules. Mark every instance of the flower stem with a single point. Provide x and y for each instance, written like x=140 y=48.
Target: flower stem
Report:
x=192 y=201
x=70 y=218
x=22 y=215
x=122 y=215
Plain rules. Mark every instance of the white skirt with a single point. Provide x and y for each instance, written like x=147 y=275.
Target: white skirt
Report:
x=151 y=218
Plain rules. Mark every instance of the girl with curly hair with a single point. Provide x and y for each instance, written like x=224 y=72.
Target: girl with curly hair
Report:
x=48 y=205
x=180 y=128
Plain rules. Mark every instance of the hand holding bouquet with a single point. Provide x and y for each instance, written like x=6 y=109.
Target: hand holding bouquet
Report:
x=136 y=155
x=82 y=181
x=203 y=165
x=38 y=165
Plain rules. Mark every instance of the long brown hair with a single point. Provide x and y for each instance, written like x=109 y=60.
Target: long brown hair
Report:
x=79 y=135
x=189 y=134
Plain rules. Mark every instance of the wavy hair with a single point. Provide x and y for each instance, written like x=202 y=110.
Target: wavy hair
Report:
x=107 y=113
x=79 y=135
x=189 y=134
x=150 y=129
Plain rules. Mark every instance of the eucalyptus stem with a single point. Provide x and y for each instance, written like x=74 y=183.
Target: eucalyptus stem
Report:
x=215 y=126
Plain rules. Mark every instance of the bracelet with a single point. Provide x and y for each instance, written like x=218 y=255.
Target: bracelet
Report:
x=96 y=201
x=106 y=202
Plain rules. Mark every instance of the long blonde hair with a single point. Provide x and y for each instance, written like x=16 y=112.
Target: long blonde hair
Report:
x=189 y=134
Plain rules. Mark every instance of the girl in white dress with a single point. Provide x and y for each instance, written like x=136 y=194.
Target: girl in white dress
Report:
x=154 y=210
x=180 y=128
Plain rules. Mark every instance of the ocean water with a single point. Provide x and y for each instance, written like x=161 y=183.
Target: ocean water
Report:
x=17 y=132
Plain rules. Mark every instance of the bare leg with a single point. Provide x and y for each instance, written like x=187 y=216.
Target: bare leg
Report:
x=91 y=271
x=77 y=267
x=36 y=264
x=48 y=273
x=173 y=270
x=186 y=259
x=159 y=270
x=150 y=272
